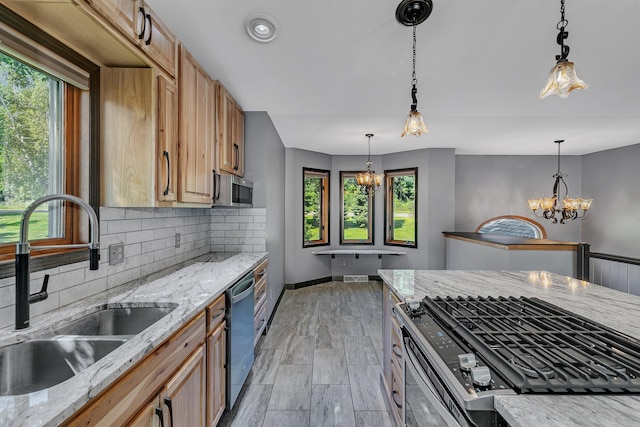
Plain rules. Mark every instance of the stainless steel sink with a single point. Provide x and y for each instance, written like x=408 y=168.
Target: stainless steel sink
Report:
x=115 y=321
x=38 y=364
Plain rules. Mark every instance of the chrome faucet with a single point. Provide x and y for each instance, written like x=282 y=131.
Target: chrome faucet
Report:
x=23 y=250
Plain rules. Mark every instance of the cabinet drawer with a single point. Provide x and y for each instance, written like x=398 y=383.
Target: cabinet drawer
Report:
x=259 y=320
x=215 y=312
x=397 y=394
x=260 y=271
x=260 y=291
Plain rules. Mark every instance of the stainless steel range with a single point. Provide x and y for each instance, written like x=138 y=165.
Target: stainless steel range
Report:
x=466 y=350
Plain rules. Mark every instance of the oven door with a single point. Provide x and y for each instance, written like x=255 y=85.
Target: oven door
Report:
x=424 y=407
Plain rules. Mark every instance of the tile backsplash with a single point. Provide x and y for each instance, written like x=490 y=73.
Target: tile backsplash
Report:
x=148 y=235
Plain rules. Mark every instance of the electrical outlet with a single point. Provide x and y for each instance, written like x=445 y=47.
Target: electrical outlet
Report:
x=344 y=263
x=271 y=294
x=116 y=253
x=177 y=240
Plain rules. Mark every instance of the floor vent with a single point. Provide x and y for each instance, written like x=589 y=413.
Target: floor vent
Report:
x=356 y=278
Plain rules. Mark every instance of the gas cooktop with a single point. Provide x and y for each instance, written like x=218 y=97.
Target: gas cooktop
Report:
x=535 y=346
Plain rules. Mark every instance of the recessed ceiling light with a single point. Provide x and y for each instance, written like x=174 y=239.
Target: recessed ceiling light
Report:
x=261 y=28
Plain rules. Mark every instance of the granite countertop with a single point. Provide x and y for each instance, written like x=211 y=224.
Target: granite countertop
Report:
x=612 y=308
x=192 y=287
x=505 y=241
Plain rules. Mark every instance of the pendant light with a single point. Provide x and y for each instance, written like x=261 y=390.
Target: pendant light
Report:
x=572 y=208
x=562 y=77
x=412 y=13
x=368 y=180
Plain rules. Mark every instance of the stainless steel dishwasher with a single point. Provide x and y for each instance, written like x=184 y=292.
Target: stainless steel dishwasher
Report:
x=240 y=350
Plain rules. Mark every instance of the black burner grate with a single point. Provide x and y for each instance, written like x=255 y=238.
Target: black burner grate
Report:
x=540 y=348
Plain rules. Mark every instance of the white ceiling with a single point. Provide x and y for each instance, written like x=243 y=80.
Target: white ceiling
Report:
x=342 y=68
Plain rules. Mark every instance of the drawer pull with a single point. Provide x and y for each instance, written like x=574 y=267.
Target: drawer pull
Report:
x=169 y=404
x=160 y=415
x=220 y=313
x=393 y=396
x=261 y=324
x=397 y=352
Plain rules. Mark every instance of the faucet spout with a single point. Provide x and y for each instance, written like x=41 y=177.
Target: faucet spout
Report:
x=23 y=251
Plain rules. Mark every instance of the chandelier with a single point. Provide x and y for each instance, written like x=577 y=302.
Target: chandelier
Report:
x=562 y=77
x=571 y=208
x=414 y=12
x=368 y=180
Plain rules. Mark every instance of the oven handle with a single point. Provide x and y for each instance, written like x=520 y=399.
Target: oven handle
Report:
x=428 y=389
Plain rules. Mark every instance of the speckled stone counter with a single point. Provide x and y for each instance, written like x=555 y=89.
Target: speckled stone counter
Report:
x=191 y=287
x=612 y=308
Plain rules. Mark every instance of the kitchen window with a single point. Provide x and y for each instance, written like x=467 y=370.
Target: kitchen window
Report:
x=47 y=140
x=513 y=225
x=401 y=202
x=356 y=212
x=315 y=217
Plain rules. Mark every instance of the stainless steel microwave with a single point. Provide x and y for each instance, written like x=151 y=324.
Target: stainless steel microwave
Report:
x=231 y=190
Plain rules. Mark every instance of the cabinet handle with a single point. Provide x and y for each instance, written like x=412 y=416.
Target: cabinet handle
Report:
x=237 y=151
x=167 y=401
x=148 y=40
x=166 y=156
x=220 y=313
x=215 y=194
x=144 y=23
x=160 y=415
x=399 y=354
x=261 y=324
x=393 y=396
x=262 y=273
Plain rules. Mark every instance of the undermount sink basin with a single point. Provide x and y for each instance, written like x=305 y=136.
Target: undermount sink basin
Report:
x=38 y=364
x=114 y=321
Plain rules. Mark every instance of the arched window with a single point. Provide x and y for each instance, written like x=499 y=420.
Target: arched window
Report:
x=513 y=225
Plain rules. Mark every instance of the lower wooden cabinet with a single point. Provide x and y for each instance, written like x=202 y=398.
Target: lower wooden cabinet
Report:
x=216 y=373
x=151 y=415
x=183 y=398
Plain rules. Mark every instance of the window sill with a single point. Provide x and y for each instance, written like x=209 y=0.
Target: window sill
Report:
x=45 y=261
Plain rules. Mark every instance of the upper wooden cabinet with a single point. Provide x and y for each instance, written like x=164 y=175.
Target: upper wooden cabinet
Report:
x=138 y=145
x=230 y=133
x=197 y=133
x=138 y=23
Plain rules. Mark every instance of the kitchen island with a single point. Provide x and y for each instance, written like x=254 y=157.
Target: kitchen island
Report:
x=615 y=309
x=191 y=287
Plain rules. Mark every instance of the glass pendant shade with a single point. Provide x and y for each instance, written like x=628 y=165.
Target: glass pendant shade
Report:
x=414 y=125
x=562 y=80
x=369 y=179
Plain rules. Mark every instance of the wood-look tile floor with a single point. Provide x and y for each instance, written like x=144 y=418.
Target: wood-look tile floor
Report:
x=319 y=364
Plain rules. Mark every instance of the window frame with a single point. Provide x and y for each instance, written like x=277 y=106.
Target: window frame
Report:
x=44 y=259
x=325 y=205
x=388 y=210
x=371 y=213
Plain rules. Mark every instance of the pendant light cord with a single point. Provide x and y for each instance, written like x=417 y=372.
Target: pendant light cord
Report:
x=414 y=80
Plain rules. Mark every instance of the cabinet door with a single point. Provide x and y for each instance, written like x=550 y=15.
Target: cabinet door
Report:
x=196 y=138
x=156 y=39
x=225 y=129
x=216 y=374
x=150 y=416
x=238 y=140
x=184 y=397
x=127 y=146
x=167 y=165
x=122 y=14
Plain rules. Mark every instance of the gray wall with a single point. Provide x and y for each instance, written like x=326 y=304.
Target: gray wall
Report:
x=265 y=165
x=490 y=186
x=612 y=178
x=301 y=265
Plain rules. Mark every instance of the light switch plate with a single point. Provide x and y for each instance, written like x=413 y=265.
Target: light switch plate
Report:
x=116 y=253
